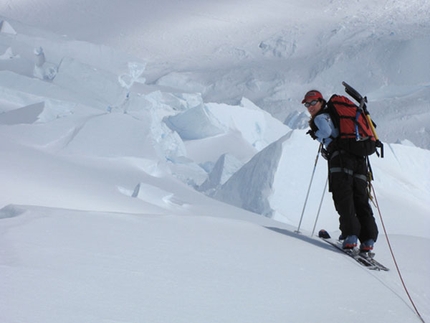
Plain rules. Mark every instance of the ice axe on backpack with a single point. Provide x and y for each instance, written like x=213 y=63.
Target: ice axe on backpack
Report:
x=363 y=108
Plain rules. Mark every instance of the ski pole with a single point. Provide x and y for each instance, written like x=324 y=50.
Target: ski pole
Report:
x=309 y=188
x=319 y=208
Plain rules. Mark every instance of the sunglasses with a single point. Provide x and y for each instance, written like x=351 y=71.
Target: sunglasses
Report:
x=312 y=103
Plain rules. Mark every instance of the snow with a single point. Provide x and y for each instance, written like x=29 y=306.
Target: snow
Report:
x=155 y=161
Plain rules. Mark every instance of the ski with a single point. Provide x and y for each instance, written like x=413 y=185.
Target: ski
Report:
x=362 y=101
x=354 y=93
x=363 y=258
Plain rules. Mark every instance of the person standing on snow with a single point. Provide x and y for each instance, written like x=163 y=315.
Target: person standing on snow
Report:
x=347 y=179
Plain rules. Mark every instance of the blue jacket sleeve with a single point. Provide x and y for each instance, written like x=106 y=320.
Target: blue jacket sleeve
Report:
x=326 y=130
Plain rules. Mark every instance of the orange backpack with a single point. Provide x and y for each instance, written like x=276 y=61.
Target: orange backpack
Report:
x=355 y=133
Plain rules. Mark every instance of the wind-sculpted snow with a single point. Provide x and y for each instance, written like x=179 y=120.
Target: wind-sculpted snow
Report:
x=251 y=186
x=255 y=125
x=223 y=169
x=24 y=115
x=11 y=211
x=204 y=125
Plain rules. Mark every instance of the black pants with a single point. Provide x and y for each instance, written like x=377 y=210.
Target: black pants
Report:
x=348 y=184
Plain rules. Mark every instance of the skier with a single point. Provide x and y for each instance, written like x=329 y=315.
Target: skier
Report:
x=347 y=178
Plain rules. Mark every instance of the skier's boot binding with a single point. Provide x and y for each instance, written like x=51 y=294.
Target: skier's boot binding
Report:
x=350 y=242
x=367 y=245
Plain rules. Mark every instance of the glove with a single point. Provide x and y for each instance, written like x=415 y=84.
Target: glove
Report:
x=325 y=154
x=312 y=134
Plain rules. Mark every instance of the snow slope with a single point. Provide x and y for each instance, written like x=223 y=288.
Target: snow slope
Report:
x=146 y=268
x=120 y=120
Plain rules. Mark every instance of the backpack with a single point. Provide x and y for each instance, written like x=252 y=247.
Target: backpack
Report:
x=355 y=133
